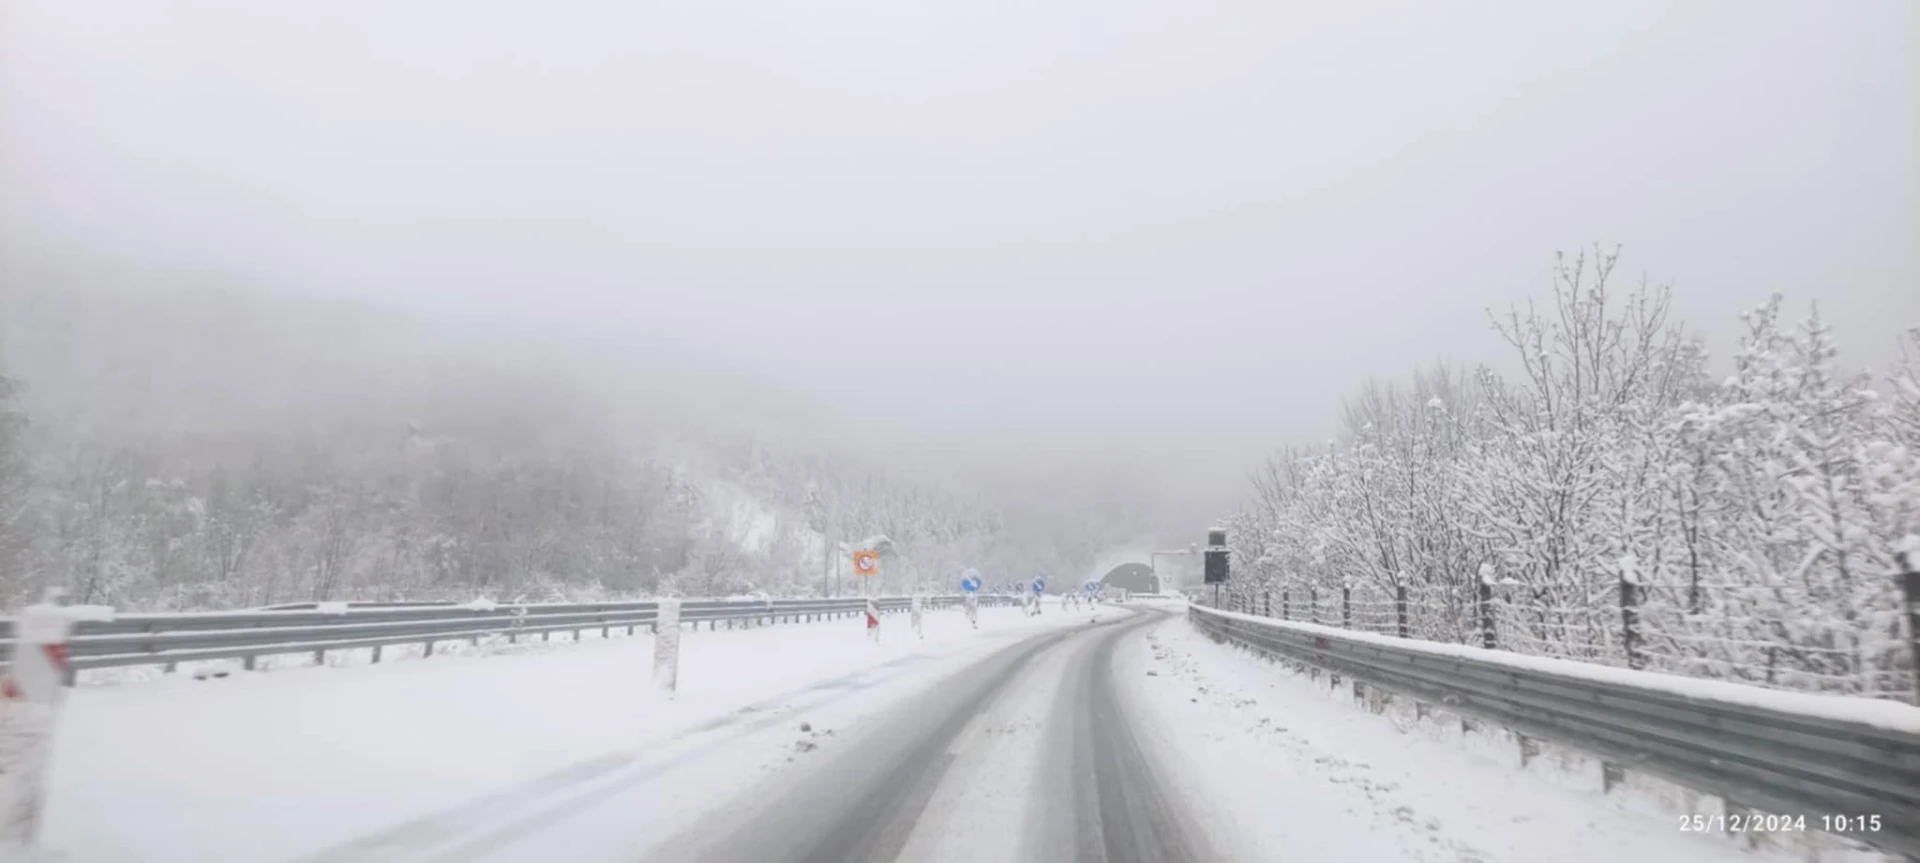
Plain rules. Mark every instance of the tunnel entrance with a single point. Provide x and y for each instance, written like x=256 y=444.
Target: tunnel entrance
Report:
x=1133 y=577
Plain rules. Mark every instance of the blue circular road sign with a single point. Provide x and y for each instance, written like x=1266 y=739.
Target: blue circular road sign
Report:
x=971 y=582
x=1039 y=585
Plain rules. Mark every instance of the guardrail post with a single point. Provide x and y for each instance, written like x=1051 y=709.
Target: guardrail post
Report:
x=1910 y=585
x=666 y=645
x=1400 y=610
x=1346 y=607
x=1283 y=605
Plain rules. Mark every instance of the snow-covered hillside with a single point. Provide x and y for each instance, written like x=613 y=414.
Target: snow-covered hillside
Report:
x=174 y=446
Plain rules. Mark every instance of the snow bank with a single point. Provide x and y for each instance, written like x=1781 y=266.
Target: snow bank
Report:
x=260 y=767
x=1280 y=767
x=1888 y=715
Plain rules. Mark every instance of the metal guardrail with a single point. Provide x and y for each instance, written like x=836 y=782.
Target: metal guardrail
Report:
x=169 y=639
x=1771 y=761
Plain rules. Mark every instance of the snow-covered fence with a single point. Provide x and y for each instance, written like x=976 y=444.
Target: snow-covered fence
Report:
x=1780 y=753
x=1735 y=632
x=168 y=639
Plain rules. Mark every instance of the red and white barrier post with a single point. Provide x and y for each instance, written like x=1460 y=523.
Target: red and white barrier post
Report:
x=873 y=618
x=31 y=692
x=666 y=645
x=917 y=630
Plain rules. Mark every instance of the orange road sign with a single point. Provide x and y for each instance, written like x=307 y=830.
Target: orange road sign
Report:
x=866 y=563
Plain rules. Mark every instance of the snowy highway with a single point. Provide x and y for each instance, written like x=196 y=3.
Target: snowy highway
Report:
x=1117 y=734
x=1026 y=755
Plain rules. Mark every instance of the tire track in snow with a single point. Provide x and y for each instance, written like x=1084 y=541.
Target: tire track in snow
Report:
x=1097 y=798
x=503 y=814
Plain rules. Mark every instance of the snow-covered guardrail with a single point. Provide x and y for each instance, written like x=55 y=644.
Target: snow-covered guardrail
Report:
x=167 y=639
x=1847 y=765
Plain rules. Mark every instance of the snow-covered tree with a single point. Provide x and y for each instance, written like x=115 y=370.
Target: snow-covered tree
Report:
x=1622 y=507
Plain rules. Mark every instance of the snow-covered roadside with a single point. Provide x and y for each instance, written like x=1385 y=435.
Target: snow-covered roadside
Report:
x=269 y=766
x=1275 y=768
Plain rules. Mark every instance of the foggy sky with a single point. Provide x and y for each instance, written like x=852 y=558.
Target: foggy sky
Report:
x=1180 y=227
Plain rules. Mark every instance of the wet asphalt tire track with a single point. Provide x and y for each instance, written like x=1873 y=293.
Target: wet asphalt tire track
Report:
x=1136 y=822
x=862 y=805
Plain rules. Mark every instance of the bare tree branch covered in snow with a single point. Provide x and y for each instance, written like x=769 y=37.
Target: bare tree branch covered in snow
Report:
x=1623 y=507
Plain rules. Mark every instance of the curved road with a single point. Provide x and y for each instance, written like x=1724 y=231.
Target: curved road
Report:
x=1025 y=756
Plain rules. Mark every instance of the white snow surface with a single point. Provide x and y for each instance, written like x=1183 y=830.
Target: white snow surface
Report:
x=1879 y=713
x=261 y=767
x=1275 y=768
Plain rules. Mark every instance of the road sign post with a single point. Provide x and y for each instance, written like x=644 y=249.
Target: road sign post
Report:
x=1216 y=561
x=915 y=612
x=866 y=565
x=32 y=690
x=666 y=645
x=970 y=586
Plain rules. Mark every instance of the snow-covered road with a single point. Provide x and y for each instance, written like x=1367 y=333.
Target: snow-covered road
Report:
x=1140 y=740
x=1026 y=756
x=1054 y=738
